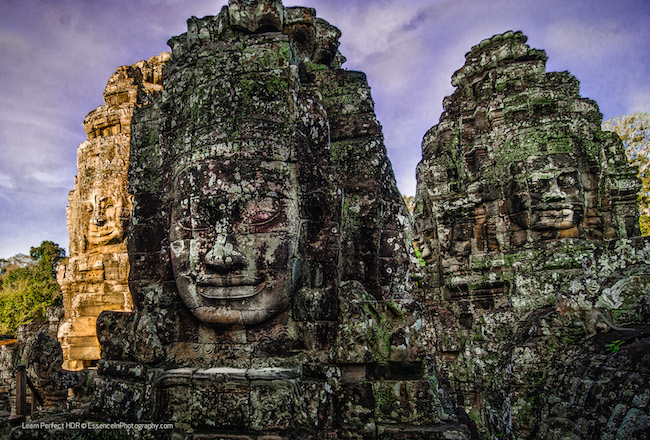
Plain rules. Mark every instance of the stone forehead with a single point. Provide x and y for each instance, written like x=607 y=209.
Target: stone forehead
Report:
x=202 y=151
x=234 y=178
x=236 y=168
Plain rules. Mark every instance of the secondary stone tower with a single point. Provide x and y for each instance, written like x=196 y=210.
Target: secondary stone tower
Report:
x=95 y=277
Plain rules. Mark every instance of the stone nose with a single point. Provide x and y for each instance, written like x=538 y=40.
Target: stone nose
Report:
x=554 y=194
x=224 y=256
x=98 y=218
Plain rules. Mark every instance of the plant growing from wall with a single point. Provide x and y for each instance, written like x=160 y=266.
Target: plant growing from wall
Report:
x=614 y=346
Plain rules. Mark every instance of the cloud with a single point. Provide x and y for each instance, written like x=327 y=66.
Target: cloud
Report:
x=586 y=42
x=6 y=181
x=49 y=178
x=639 y=101
x=12 y=43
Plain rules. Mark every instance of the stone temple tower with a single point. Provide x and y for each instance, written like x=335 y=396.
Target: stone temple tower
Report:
x=268 y=249
x=95 y=278
x=527 y=221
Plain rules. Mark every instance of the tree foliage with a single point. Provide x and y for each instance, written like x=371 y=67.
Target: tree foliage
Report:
x=28 y=286
x=634 y=131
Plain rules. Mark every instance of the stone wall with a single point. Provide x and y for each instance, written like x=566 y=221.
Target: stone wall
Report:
x=36 y=348
x=95 y=278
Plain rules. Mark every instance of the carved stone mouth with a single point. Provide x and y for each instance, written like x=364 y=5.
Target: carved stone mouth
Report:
x=215 y=286
x=219 y=280
x=100 y=232
x=230 y=292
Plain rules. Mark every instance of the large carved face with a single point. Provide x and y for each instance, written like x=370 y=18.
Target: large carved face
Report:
x=232 y=235
x=103 y=219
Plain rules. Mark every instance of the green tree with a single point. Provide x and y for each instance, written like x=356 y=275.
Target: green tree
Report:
x=29 y=287
x=47 y=255
x=634 y=131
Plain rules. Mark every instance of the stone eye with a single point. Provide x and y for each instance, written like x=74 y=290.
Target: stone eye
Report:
x=262 y=218
x=194 y=224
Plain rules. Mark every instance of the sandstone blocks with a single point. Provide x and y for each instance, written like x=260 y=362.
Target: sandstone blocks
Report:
x=95 y=277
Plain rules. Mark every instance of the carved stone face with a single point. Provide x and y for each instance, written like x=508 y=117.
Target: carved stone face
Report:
x=104 y=220
x=233 y=231
x=548 y=200
x=556 y=205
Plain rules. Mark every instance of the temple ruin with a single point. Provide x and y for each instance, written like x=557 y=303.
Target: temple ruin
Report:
x=95 y=277
x=527 y=223
x=279 y=289
x=269 y=248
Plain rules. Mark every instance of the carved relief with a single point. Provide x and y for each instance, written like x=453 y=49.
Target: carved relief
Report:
x=95 y=277
x=269 y=246
x=515 y=161
x=232 y=236
x=518 y=189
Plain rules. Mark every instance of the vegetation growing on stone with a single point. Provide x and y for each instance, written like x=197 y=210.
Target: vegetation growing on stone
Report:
x=271 y=266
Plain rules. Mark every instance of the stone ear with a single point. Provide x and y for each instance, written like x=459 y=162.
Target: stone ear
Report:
x=296 y=274
x=316 y=207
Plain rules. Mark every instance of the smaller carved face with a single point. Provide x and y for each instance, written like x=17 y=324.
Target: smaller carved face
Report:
x=104 y=220
x=556 y=204
x=232 y=234
x=327 y=42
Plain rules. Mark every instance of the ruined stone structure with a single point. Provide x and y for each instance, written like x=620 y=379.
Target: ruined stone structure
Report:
x=518 y=159
x=274 y=287
x=268 y=249
x=37 y=348
x=526 y=219
x=96 y=275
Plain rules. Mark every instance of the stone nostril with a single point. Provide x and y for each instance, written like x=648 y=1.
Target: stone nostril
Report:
x=97 y=219
x=224 y=256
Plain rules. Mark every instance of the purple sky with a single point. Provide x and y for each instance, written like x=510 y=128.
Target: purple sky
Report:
x=56 y=56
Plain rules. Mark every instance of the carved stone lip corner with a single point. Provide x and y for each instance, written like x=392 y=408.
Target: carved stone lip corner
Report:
x=100 y=234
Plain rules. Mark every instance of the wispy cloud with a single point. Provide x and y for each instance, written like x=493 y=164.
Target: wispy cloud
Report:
x=6 y=181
